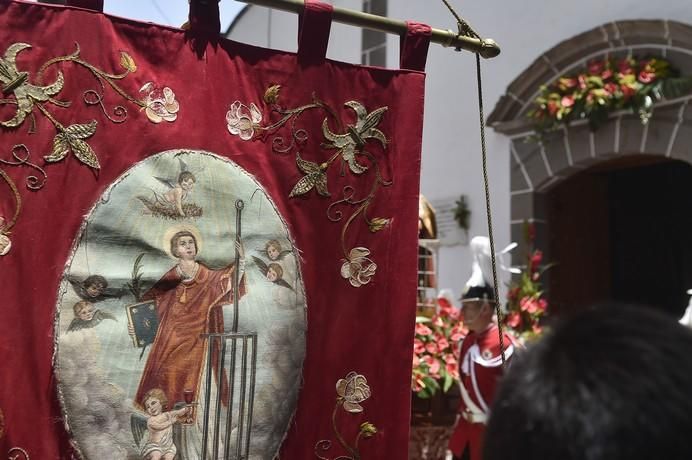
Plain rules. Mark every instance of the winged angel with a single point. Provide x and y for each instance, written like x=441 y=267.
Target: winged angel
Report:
x=172 y=203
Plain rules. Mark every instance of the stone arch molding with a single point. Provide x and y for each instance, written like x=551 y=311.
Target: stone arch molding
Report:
x=537 y=167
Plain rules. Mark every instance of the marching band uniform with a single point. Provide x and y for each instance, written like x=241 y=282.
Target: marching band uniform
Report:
x=480 y=360
x=480 y=366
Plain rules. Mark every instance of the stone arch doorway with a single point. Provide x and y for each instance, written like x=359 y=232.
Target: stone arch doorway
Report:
x=569 y=158
x=616 y=234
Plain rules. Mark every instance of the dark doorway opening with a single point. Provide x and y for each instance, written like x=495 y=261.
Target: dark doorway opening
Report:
x=622 y=231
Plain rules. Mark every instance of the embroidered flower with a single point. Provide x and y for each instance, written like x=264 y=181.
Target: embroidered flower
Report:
x=358 y=269
x=368 y=430
x=352 y=142
x=242 y=120
x=351 y=391
x=5 y=244
x=17 y=82
x=159 y=105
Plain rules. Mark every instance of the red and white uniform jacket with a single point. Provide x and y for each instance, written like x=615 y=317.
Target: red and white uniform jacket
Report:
x=480 y=366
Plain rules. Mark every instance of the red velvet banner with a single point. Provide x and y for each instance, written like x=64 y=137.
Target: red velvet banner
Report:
x=123 y=149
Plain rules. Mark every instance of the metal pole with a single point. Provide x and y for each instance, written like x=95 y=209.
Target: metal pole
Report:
x=207 y=401
x=486 y=47
x=251 y=399
x=219 y=392
x=241 y=399
x=239 y=205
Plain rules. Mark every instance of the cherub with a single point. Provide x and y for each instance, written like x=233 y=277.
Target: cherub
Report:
x=94 y=288
x=272 y=249
x=172 y=203
x=272 y=271
x=87 y=316
x=158 y=440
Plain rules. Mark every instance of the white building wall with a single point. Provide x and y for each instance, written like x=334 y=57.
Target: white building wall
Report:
x=279 y=30
x=451 y=163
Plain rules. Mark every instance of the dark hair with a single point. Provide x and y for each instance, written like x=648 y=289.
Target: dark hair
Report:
x=95 y=279
x=612 y=382
x=177 y=236
x=186 y=175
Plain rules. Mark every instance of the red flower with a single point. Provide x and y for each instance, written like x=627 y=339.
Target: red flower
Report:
x=625 y=67
x=596 y=67
x=627 y=91
x=610 y=88
x=536 y=259
x=531 y=232
x=537 y=329
x=418 y=346
x=646 y=77
x=607 y=73
x=514 y=319
x=553 y=107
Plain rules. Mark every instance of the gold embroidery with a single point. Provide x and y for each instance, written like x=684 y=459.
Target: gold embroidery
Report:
x=17 y=453
x=350 y=392
x=28 y=94
x=350 y=144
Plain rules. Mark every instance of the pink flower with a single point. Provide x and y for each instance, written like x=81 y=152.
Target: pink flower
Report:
x=606 y=74
x=567 y=101
x=542 y=305
x=431 y=348
x=454 y=314
x=528 y=304
x=535 y=276
x=537 y=329
x=435 y=369
x=416 y=360
x=437 y=322
x=582 y=81
x=442 y=343
x=514 y=319
x=422 y=329
x=418 y=346
x=452 y=369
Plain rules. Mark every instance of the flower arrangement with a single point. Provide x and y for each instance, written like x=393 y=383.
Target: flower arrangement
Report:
x=526 y=305
x=436 y=351
x=604 y=86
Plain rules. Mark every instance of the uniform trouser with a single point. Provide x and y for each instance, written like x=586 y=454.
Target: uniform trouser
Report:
x=464 y=456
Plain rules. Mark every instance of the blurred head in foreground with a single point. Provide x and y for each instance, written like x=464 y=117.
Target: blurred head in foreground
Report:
x=613 y=382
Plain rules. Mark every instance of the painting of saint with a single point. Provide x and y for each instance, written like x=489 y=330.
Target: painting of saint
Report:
x=189 y=300
x=183 y=277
